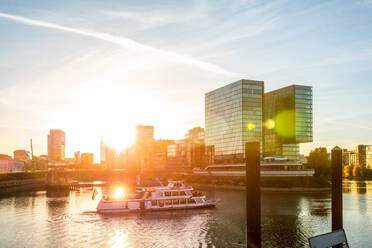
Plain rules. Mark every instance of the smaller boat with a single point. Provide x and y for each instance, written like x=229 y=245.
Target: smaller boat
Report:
x=176 y=195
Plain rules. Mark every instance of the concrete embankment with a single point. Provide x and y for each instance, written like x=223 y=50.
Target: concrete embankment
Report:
x=12 y=186
x=264 y=189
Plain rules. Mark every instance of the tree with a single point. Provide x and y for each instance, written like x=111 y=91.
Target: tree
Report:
x=356 y=170
x=348 y=170
x=319 y=160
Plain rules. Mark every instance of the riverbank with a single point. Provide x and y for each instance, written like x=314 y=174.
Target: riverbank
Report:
x=14 y=186
x=263 y=189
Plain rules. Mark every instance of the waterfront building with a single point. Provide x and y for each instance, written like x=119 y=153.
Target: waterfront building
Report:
x=190 y=152
x=87 y=158
x=7 y=164
x=288 y=116
x=110 y=156
x=364 y=156
x=195 y=148
x=353 y=157
x=5 y=157
x=143 y=146
x=348 y=157
x=234 y=116
x=345 y=157
x=176 y=155
x=161 y=145
x=77 y=157
x=107 y=154
x=22 y=155
x=56 y=145
x=159 y=160
x=196 y=133
x=144 y=134
x=102 y=150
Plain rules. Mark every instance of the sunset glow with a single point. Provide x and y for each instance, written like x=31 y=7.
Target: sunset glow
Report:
x=119 y=193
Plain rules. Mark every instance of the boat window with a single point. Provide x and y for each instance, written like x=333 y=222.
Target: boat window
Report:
x=161 y=203
x=183 y=201
x=175 y=193
x=175 y=202
x=126 y=204
x=182 y=193
x=190 y=201
x=154 y=203
x=168 y=202
x=167 y=193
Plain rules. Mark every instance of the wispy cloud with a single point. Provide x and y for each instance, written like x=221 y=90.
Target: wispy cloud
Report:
x=125 y=42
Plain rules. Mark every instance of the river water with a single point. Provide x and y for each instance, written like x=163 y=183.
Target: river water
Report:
x=41 y=219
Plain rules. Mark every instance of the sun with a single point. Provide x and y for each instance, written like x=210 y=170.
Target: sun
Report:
x=119 y=193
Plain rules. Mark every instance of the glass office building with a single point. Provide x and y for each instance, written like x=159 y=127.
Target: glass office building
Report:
x=288 y=115
x=234 y=116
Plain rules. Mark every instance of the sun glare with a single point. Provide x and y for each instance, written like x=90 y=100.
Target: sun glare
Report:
x=119 y=193
x=118 y=138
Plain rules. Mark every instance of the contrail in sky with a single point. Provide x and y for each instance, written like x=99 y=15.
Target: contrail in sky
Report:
x=125 y=42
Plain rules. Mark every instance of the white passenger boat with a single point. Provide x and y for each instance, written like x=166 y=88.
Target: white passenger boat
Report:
x=176 y=195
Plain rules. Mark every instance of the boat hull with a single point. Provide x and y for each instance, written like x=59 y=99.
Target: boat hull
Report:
x=125 y=210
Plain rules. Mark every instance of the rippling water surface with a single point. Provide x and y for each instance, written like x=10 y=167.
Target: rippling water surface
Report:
x=60 y=219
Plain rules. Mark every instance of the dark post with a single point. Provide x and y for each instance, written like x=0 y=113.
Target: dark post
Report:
x=253 y=197
x=336 y=188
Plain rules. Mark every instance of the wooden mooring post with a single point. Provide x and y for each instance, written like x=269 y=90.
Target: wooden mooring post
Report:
x=253 y=194
x=336 y=188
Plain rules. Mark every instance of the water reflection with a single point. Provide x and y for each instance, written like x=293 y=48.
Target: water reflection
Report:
x=119 y=240
x=69 y=220
x=21 y=202
x=359 y=187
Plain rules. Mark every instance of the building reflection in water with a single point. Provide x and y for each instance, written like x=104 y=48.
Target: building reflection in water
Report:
x=57 y=226
x=359 y=187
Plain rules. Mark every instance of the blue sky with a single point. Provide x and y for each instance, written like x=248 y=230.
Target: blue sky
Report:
x=98 y=68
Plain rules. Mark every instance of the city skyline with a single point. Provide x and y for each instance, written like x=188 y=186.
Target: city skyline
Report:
x=89 y=77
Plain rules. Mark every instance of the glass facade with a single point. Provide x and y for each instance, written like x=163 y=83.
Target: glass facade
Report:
x=233 y=116
x=290 y=111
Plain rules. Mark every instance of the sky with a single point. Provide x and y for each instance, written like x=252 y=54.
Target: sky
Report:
x=98 y=68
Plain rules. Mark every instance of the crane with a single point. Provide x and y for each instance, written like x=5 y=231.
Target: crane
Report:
x=32 y=156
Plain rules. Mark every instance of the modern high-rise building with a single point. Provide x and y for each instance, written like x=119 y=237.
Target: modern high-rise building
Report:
x=144 y=134
x=102 y=149
x=56 y=145
x=288 y=115
x=107 y=154
x=364 y=156
x=234 y=116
